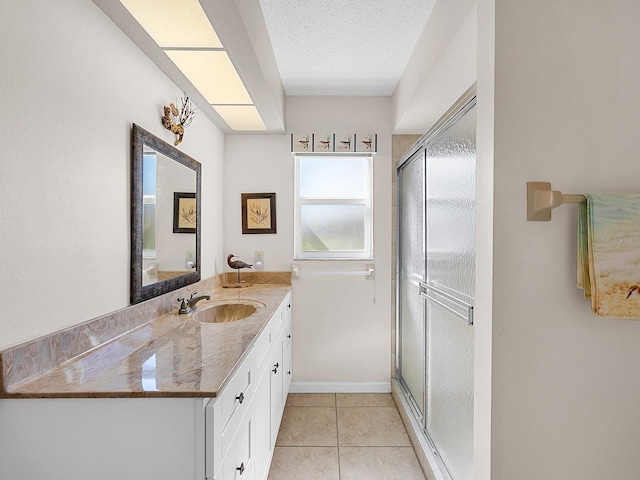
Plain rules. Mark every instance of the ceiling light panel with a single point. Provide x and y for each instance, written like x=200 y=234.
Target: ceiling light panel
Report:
x=174 y=23
x=213 y=74
x=241 y=117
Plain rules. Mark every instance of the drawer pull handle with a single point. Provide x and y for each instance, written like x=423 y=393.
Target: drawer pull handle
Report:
x=289 y=372
x=240 y=397
x=241 y=468
x=289 y=336
x=275 y=370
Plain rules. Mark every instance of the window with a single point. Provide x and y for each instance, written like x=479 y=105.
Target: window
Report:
x=333 y=219
x=149 y=169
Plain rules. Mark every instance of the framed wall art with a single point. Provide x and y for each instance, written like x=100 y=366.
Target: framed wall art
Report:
x=323 y=143
x=184 y=212
x=341 y=142
x=302 y=142
x=366 y=142
x=258 y=212
x=345 y=142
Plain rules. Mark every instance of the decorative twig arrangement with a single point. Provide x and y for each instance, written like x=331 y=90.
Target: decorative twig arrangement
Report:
x=177 y=120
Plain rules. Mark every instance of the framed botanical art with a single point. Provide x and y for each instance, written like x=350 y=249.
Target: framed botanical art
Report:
x=184 y=212
x=302 y=142
x=345 y=142
x=324 y=142
x=258 y=212
x=366 y=142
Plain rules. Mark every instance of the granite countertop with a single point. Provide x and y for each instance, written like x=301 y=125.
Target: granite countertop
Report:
x=170 y=356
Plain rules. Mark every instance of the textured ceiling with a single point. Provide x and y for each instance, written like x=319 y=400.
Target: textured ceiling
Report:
x=343 y=47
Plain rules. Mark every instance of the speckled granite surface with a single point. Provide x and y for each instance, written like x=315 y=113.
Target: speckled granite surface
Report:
x=145 y=350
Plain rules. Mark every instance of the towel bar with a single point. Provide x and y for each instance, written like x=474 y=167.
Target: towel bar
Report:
x=541 y=200
x=369 y=273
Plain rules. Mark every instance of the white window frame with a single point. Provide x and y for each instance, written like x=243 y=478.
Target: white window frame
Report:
x=367 y=252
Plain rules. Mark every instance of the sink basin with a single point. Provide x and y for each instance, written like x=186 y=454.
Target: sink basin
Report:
x=230 y=311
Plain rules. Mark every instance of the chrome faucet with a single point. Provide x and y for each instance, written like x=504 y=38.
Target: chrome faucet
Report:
x=187 y=306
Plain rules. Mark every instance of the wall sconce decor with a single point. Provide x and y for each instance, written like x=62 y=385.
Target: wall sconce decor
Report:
x=177 y=120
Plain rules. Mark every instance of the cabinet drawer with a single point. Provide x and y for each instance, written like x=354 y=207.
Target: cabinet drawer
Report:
x=237 y=394
x=262 y=346
x=271 y=334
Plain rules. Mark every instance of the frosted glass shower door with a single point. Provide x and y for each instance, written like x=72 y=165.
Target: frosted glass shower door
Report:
x=449 y=292
x=411 y=361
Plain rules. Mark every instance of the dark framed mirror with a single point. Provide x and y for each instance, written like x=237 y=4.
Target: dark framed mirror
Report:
x=165 y=193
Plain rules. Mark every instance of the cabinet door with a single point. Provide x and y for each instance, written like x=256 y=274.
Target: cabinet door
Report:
x=276 y=389
x=262 y=425
x=286 y=371
x=286 y=354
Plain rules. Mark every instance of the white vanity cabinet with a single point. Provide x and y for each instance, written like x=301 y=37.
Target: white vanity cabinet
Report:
x=229 y=437
x=241 y=435
x=271 y=387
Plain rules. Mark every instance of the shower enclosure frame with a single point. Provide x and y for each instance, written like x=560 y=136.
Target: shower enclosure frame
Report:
x=417 y=414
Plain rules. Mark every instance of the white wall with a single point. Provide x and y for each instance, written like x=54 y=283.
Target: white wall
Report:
x=483 y=313
x=72 y=84
x=342 y=339
x=566 y=385
x=171 y=248
x=441 y=68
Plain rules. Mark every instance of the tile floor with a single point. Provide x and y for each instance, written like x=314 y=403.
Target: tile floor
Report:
x=327 y=436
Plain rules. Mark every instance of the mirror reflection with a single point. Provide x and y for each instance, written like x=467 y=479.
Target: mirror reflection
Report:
x=168 y=218
x=165 y=241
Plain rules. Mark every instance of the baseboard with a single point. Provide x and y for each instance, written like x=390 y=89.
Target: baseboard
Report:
x=339 y=387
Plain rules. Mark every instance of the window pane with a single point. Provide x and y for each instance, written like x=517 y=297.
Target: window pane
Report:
x=332 y=227
x=334 y=177
x=149 y=226
x=149 y=173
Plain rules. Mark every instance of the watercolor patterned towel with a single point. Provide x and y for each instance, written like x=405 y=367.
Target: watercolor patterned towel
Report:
x=609 y=253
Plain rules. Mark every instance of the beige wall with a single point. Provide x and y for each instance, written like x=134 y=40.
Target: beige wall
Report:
x=565 y=384
x=441 y=68
x=72 y=85
x=341 y=324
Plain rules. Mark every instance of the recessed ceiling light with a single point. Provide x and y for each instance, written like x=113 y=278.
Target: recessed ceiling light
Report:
x=213 y=74
x=241 y=117
x=174 y=23
x=183 y=31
